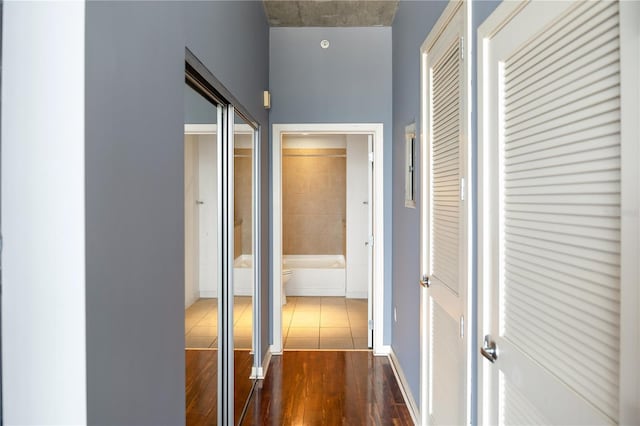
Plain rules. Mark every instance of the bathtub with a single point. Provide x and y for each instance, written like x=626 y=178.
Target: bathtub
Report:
x=315 y=275
x=243 y=275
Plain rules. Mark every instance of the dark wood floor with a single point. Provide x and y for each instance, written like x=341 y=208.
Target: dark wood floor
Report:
x=328 y=388
x=202 y=385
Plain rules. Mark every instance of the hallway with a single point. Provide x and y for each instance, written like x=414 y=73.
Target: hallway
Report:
x=502 y=253
x=328 y=388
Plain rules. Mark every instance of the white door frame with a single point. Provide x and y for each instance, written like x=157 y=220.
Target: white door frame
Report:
x=375 y=129
x=465 y=209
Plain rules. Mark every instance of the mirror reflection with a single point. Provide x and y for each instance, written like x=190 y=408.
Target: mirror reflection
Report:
x=243 y=271
x=201 y=262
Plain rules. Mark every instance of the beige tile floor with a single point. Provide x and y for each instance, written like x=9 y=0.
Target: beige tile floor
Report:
x=307 y=323
x=201 y=323
x=324 y=323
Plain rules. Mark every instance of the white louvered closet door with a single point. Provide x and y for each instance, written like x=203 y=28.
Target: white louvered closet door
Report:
x=445 y=248
x=553 y=209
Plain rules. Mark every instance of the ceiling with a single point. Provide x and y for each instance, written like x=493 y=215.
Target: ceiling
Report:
x=330 y=13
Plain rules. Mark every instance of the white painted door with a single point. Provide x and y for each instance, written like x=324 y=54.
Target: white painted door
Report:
x=444 y=227
x=554 y=264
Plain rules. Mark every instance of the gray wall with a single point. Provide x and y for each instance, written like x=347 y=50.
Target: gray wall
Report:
x=134 y=192
x=350 y=82
x=413 y=22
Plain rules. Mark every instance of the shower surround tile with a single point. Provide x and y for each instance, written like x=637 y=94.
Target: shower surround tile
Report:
x=314 y=195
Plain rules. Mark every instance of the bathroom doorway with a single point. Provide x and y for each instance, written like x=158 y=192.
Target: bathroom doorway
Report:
x=327 y=290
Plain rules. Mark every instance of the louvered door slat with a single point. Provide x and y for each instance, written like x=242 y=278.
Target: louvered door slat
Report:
x=570 y=49
x=445 y=166
x=602 y=55
x=544 y=111
x=591 y=253
x=577 y=365
x=519 y=411
x=561 y=204
x=576 y=25
x=548 y=150
x=580 y=116
x=600 y=78
x=566 y=277
x=594 y=222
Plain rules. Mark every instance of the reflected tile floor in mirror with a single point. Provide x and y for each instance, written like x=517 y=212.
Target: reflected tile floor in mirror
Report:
x=201 y=385
x=324 y=323
x=201 y=323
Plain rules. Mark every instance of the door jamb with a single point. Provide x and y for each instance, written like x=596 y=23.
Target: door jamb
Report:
x=375 y=129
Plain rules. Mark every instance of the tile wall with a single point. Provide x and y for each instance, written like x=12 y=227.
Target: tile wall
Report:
x=314 y=201
x=242 y=201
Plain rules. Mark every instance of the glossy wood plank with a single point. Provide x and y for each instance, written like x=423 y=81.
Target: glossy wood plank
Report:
x=328 y=388
x=201 y=385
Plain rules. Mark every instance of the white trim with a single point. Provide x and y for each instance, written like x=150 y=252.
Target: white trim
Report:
x=211 y=129
x=485 y=383
x=200 y=129
x=357 y=295
x=208 y=294
x=629 y=410
x=409 y=400
x=375 y=129
x=260 y=373
x=466 y=208
x=314 y=142
x=383 y=350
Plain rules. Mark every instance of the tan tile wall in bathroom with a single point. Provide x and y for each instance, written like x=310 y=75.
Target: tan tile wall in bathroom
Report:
x=314 y=195
x=242 y=201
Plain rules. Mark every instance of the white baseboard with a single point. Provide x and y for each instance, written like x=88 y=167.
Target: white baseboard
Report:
x=190 y=301
x=273 y=351
x=208 y=294
x=357 y=294
x=243 y=291
x=414 y=411
x=381 y=350
x=261 y=372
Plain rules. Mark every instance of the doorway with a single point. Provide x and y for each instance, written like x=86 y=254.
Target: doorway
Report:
x=344 y=287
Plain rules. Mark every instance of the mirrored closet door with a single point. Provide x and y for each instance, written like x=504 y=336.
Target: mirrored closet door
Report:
x=221 y=228
x=202 y=262
x=243 y=263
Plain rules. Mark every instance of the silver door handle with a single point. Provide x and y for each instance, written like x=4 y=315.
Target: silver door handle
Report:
x=425 y=281
x=489 y=349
